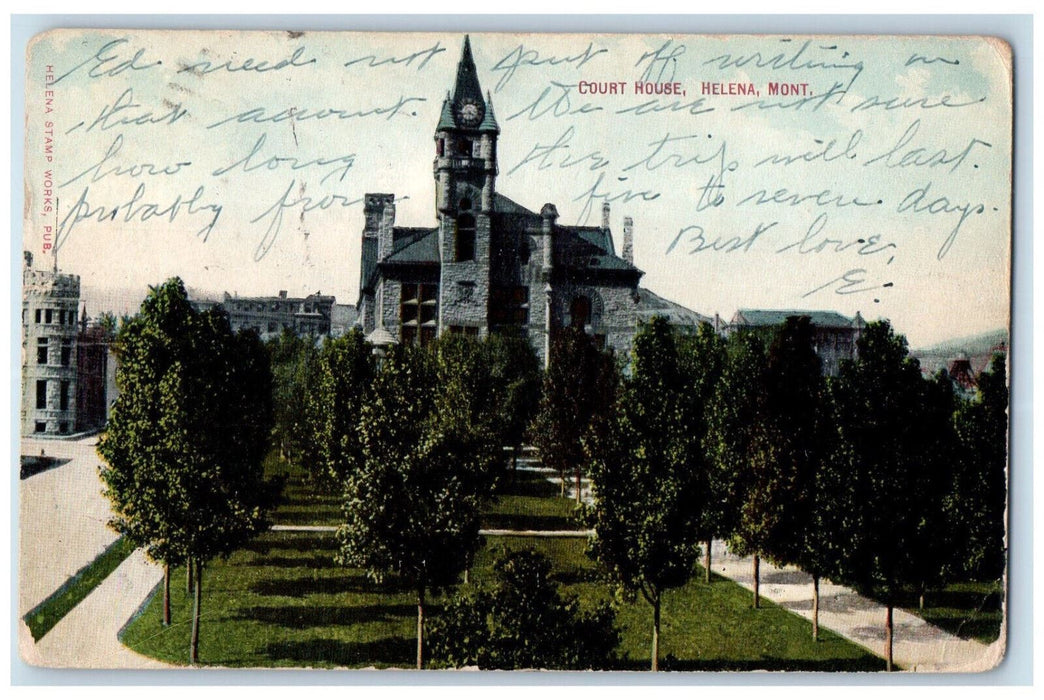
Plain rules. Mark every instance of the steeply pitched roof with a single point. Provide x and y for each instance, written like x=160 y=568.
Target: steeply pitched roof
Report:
x=446 y=117
x=590 y=248
x=467 y=83
x=489 y=121
x=774 y=317
x=411 y=246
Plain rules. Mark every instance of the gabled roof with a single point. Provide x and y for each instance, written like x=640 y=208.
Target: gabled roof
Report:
x=650 y=305
x=774 y=317
x=503 y=205
x=596 y=236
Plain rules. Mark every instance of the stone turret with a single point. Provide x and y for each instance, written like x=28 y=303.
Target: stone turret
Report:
x=50 y=305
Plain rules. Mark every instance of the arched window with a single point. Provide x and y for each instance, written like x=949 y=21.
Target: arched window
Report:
x=465 y=237
x=585 y=311
x=580 y=312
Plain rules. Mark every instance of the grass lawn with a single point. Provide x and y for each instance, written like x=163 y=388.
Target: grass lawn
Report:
x=704 y=627
x=305 y=501
x=47 y=614
x=528 y=501
x=969 y=610
x=283 y=602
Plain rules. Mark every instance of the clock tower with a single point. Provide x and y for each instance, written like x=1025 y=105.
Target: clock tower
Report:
x=465 y=172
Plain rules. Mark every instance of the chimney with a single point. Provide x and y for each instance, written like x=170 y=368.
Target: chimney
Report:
x=384 y=233
x=373 y=207
x=628 y=242
x=548 y=213
x=605 y=216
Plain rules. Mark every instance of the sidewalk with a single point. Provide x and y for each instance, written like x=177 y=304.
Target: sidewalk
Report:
x=917 y=645
x=87 y=638
x=62 y=518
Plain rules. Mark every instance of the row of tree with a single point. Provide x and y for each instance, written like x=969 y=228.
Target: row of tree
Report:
x=879 y=479
x=413 y=439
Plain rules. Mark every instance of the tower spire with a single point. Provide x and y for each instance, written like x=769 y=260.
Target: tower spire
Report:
x=467 y=84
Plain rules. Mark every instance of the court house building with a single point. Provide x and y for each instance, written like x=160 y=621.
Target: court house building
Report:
x=490 y=263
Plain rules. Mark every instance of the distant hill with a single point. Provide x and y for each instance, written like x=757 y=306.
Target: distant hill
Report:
x=979 y=349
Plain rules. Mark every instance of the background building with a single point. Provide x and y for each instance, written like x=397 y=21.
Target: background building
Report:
x=310 y=315
x=835 y=335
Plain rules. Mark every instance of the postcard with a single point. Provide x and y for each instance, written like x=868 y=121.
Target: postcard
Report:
x=515 y=351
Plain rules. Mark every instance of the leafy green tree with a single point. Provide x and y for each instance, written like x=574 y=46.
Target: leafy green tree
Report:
x=933 y=542
x=293 y=362
x=521 y=621
x=108 y=321
x=579 y=386
x=644 y=469
x=185 y=442
x=888 y=423
x=735 y=432
x=789 y=509
x=467 y=403
x=412 y=505
x=977 y=504
x=701 y=359
x=343 y=373
x=514 y=369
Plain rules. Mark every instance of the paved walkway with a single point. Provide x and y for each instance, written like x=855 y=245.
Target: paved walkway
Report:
x=490 y=533
x=917 y=645
x=62 y=528
x=62 y=518
x=87 y=637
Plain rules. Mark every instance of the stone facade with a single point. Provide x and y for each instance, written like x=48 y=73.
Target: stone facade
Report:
x=50 y=302
x=488 y=263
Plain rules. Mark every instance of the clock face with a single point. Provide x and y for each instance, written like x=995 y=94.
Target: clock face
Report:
x=470 y=112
